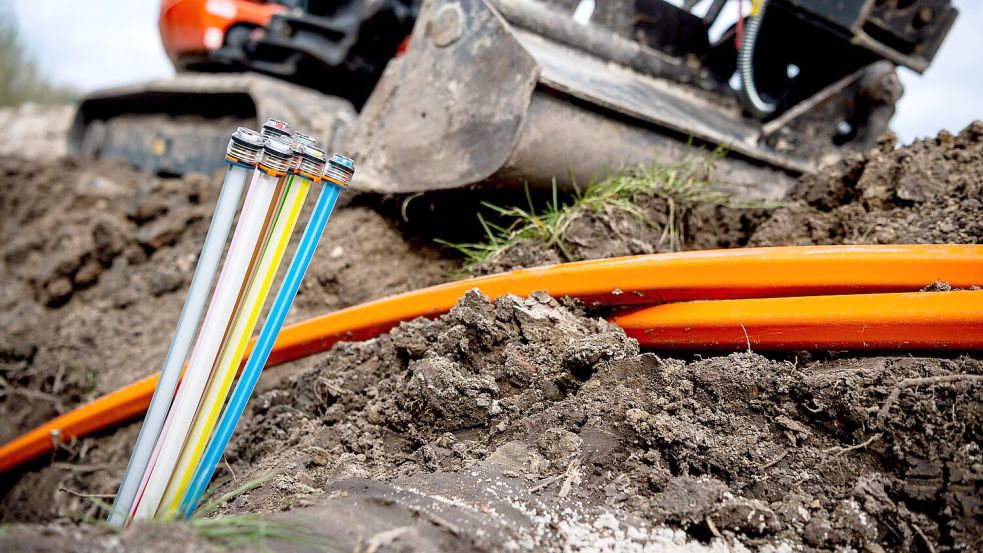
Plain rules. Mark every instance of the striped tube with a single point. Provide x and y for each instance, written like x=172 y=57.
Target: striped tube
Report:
x=235 y=348
x=338 y=173
x=242 y=154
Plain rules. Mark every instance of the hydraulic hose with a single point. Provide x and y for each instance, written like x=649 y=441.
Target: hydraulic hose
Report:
x=745 y=62
x=647 y=279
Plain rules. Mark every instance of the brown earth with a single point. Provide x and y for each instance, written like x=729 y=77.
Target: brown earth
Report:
x=524 y=424
x=928 y=192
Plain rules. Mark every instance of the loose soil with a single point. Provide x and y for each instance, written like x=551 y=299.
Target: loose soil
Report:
x=514 y=425
x=928 y=192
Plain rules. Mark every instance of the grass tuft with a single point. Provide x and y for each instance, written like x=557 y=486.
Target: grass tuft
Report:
x=215 y=504
x=238 y=531
x=681 y=184
x=241 y=530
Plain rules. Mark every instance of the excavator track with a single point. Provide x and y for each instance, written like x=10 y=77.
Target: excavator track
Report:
x=181 y=125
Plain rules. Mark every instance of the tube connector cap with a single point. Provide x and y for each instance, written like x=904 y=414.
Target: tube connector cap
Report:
x=277 y=156
x=339 y=170
x=311 y=160
x=304 y=139
x=245 y=147
x=275 y=127
x=298 y=142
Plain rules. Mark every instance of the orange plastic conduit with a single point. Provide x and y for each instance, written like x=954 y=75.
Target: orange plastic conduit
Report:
x=704 y=275
x=918 y=320
x=660 y=278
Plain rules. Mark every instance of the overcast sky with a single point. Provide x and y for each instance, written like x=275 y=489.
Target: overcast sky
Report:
x=94 y=44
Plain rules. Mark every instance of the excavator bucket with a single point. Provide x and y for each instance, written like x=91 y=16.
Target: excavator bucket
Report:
x=494 y=91
x=513 y=92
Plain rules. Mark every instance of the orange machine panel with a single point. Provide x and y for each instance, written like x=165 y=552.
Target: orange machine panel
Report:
x=189 y=27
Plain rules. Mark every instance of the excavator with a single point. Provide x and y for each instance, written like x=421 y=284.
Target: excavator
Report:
x=446 y=94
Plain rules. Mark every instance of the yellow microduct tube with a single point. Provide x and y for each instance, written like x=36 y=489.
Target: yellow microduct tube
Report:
x=235 y=348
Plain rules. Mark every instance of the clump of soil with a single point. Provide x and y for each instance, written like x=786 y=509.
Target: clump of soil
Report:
x=928 y=192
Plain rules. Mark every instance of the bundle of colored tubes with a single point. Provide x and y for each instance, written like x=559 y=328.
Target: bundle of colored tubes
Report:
x=186 y=430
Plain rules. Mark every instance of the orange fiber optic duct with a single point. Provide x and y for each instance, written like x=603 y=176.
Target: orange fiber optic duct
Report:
x=661 y=278
x=915 y=320
x=647 y=279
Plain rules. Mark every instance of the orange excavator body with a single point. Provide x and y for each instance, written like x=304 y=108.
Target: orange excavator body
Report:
x=191 y=28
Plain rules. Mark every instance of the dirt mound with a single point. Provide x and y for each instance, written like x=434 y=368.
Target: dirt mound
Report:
x=928 y=192
x=526 y=424
x=95 y=260
x=545 y=417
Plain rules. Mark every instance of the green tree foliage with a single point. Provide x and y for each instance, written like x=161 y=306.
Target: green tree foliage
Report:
x=20 y=78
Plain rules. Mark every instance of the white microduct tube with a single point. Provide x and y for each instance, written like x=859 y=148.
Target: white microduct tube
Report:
x=276 y=159
x=242 y=154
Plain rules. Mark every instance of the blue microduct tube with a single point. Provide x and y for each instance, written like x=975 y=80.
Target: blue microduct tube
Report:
x=242 y=155
x=337 y=174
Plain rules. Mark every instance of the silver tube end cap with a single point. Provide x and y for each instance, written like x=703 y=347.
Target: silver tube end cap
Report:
x=275 y=127
x=277 y=155
x=311 y=161
x=244 y=147
x=339 y=169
